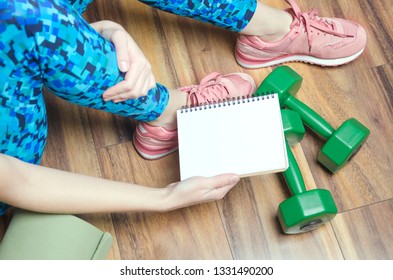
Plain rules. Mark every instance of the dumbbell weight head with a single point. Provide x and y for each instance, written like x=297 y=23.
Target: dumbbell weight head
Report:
x=283 y=80
x=293 y=126
x=306 y=211
x=343 y=145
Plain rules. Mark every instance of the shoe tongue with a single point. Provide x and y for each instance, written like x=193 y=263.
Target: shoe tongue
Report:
x=294 y=6
x=215 y=87
x=210 y=77
x=315 y=21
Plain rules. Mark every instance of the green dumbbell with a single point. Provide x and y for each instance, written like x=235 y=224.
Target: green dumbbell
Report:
x=306 y=209
x=341 y=144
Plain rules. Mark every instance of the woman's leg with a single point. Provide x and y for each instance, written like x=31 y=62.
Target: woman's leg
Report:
x=243 y=16
x=23 y=126
x=49 y=44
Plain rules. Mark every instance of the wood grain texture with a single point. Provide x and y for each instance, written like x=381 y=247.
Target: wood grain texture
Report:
x=378 y=22
x=366 y=233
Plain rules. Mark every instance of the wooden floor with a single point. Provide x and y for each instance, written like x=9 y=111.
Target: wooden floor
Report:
x=243 y=225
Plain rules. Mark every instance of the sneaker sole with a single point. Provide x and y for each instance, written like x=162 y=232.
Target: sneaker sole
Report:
x=150 y=156
x=296 y=58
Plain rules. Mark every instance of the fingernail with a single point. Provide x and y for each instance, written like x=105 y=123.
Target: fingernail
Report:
x=235 y=179
x=123 y=66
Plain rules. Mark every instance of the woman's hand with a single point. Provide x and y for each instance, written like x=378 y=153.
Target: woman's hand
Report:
x=197 y=190
x=139 y=78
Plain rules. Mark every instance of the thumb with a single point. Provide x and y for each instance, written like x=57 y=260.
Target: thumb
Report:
x=221 y=185
x=224 y=180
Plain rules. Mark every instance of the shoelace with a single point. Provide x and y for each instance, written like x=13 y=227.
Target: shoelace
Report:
x=311 y=20
x=210 y=90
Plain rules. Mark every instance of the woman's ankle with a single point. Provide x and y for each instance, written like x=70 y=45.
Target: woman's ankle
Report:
x=167 y=119
x=270 y=24
x=168 y=125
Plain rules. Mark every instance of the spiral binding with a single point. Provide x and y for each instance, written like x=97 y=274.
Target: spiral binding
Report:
x=228 y=102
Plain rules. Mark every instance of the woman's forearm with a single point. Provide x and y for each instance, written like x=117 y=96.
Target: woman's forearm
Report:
x=45 y=189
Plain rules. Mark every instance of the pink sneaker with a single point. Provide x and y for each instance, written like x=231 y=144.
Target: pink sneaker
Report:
x=312 y=39
x=153 y=142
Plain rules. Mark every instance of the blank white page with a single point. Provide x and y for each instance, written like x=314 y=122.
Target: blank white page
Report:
x=243 y=137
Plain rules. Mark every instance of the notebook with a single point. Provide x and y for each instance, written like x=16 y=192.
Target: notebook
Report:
x=242 y=136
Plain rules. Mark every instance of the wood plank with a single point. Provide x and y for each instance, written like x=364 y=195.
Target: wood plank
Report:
x=69 y=133
x=190 y=233
x=109 y=129
x=376 y=17
x=366 y=233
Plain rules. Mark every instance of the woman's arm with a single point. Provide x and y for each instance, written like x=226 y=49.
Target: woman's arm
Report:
x=43 y=189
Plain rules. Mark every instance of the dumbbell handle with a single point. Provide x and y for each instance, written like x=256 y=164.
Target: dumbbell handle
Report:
x=314 y=121
x=293 y=176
